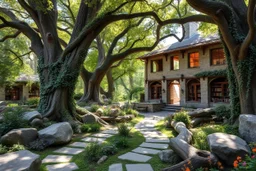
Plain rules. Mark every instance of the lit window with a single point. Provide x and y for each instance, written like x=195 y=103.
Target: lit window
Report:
x=175 y=63
x=193 y=60
x=157 y=65
x=217 y=57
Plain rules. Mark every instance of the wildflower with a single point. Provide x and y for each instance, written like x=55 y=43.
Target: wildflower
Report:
x=254 y=150
x=253 y=156
x=187 y=169
x=244 y=163
x=219 y=163
x=235 y=164
x=238 y=158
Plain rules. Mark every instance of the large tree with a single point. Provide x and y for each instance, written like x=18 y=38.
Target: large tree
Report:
x=60 y=63
x=237 y=26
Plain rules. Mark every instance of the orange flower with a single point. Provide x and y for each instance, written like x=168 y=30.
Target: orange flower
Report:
x=238 y=158
x=187 y=169
x=235 y=164
x=219 y=163
x=254 y=150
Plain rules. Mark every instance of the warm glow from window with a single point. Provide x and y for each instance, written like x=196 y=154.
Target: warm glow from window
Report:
x=193 y=60
x=217 y=57
x=175 y=63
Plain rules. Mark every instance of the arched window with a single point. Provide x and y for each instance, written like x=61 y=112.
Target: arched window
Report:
x=219 y=90
x=193 y=90
x=155 y=90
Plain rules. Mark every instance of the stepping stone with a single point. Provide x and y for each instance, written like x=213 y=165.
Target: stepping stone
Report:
x=115 y=167
x=62 y=167
x=157 y=140
x=134 y=157
x=146 y=129
x=153 y=135
x=145 y=150
x=110 y=131
x=140 y=167
x=68 y=150
x=100 y=135
x=154 y=145
x=78 y=144
x=57 y=159
x=93 y=139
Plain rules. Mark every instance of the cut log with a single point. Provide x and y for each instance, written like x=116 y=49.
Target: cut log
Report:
x=108 y=118
x=184 y=133
x=202 y=113
x=196 y=121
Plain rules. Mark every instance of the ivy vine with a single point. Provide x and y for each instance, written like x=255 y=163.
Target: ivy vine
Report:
x=214 y=73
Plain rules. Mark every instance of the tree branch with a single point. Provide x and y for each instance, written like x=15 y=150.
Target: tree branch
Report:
x=16 y=34
x=8 y=13
x=252 y=29
x=64 y=30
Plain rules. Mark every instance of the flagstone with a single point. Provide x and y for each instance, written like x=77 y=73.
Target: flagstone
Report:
x=145 y=150
x=57 y=159
x=62 y=167
x=135 y=157
x=68 y=150
x=78 y=144
x=154 y=145
x=139 y=167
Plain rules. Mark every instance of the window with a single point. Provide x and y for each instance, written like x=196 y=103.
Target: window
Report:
x=175 y=63
x=217 y=57
x=193 y=60
x=156 y=90
x=157 y=65
x=194 y=92
x=219 y=90
x=12 y=93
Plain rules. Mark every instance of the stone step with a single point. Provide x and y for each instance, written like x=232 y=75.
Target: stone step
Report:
x=115 y=167
x=110 y=131
x=68 y=150
x=134 y=157
x=145 y=150
x=157 y=140
x=139 y=167
x=154 y=145
x=101 y=135
x=78 y=144
x=62 y=167
x=93 y=139
x=57 y=159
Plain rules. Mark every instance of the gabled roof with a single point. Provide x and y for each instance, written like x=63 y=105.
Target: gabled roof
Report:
x=27 y=78
x=193 y=41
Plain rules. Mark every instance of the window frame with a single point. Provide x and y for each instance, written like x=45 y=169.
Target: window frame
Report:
x=151 y=65
x=198 y=59
x=211 y=57
x=172 y=63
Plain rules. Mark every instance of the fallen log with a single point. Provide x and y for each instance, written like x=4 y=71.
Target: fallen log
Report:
x=196 y=121
x=202 y=113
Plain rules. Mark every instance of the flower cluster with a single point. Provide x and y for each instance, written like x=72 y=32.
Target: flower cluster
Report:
x=249 y=163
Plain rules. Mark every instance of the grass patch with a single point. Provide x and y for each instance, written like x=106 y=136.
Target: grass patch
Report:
x=169 y=132
x=200 y=134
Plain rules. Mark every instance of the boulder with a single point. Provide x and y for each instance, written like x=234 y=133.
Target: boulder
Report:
x=23 y=160
x=114 y=112
x=227 y=147
x=21 y=136
x=247 y=127
x=89 y=118
x=45 y=120
x=59 y=133
x=37 y=122
x=29 y=116
x=169 y=156
x=99 y=112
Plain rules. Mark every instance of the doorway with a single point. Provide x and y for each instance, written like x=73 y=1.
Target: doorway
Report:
x=174 y=92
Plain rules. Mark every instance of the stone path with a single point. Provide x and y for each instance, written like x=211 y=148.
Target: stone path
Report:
x=60 y=159
x=155 y=142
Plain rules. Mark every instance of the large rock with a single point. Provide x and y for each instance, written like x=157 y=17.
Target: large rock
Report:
x=29 y=116
x=37 y=123
x=59 y=133
x=89 y=118
x=247 y=127
x=19 y=136
x=99 y=112
x=114 y=112
x=227 y=147
x=20 y=161
x=169 y=156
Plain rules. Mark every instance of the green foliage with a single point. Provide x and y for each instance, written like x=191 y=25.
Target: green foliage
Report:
x=222 y=111
x=131 y=111
x=93 y=127
x=213 y=73
x=124 y=130
x=12 y=105
x=106 y=111
x=16 y=147
x=122 y=113
x=182 y=116
x=3 y=149
x=94 y=108
x=93 y=152
x=109 y=150
x=40 y=144
x=121 y=142
x=12 y=119
x=34 y=101
x=77 y=96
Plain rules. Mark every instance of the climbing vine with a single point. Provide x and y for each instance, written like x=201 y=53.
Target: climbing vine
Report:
x=214 y=73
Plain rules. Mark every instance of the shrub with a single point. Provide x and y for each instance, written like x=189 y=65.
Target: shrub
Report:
x=106 y=111
x=16 y=147
x=12 y=105
x=122 y=113
x=93 y=127
x=132 y=111
x=222 y=111
x=3 y=149
x=12 y=119
x=182 y=116
x=40 y=144
x=123 y=130
x=34 y=101
x=94 y=108
x=93 y=152
x=109 y=150
x=121 y=142
x=78 y=96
